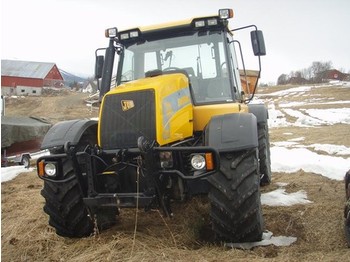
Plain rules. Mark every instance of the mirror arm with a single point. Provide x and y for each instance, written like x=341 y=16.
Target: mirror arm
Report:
x=256 y=83
x=259 y=59
x=107 y=69
x=244 y=27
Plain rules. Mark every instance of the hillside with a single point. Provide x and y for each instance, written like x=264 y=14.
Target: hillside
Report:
x=307 y=118
x=71 y=78
x=54 y=107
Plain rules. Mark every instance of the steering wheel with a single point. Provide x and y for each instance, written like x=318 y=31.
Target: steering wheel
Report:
x=171 y=68
x=223 y=64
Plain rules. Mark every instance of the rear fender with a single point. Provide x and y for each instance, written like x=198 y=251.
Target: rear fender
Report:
x=232 y=132
x=69 y=131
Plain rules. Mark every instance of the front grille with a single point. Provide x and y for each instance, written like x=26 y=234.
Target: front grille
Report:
x=127 y=116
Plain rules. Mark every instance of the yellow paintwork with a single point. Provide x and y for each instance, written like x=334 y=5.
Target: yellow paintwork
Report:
x=174 y=110
x=160 y=26
x=165 y=25
x=202 y=114
x=168 y=25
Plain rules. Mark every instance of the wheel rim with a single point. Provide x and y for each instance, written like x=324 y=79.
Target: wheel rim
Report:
x=26 y=162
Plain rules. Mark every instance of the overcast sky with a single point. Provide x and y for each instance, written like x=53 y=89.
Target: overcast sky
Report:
x=67 y=32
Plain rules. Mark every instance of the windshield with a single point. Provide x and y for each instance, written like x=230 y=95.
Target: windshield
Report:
x=202 y=56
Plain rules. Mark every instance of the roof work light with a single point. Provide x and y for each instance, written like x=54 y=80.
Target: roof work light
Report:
x=130 y=34
x=111 y=32
x=225 y=13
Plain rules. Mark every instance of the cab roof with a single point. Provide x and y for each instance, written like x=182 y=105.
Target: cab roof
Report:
x=168 y=25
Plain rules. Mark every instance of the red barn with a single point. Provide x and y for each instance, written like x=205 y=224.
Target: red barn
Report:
x=332 y=74
x=28 y=78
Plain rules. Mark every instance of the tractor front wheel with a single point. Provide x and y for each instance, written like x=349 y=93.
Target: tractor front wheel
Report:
x=66 y=209
x=236 y=212
x=67 y=212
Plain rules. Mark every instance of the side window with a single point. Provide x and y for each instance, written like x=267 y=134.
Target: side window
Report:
x=235 y=70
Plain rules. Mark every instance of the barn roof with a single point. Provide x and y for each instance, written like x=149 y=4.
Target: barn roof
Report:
x=25 y=68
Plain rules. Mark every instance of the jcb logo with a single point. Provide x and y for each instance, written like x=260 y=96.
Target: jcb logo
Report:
x=127 y=104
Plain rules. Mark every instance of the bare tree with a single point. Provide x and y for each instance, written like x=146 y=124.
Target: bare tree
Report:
x=313 y=73
x=319 y=67
x=307 y=73
x=282 y=79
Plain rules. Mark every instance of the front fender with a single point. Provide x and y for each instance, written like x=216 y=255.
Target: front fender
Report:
x=232 y=132
x=67 y=131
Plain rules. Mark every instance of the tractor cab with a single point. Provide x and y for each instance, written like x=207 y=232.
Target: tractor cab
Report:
x=201 y=48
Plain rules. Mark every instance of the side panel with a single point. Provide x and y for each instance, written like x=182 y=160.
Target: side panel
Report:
x=202 y=114
x=174 y=115
x=232 y=132
x=67 y=131
x=260 y=112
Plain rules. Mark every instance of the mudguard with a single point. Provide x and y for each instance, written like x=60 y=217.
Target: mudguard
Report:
x=70 y=131
x=260 y=111
x=232 y=132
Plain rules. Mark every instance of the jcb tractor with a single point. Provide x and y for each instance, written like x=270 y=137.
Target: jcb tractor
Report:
x=174 y=122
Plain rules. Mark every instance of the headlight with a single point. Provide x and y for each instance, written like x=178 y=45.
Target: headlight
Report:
x=50 y=169
x=198 y=162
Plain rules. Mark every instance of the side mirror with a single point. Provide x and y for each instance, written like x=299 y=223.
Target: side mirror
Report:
x=258 y=43
x=99 y=66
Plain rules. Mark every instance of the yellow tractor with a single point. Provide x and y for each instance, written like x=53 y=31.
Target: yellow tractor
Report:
x=174 y=122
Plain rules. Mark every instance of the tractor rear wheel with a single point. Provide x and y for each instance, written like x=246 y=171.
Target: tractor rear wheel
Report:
x=347 y=207
x=236 y=212
x=264 y=154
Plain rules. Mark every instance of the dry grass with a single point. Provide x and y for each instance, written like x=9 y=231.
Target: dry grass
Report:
x=318 y=226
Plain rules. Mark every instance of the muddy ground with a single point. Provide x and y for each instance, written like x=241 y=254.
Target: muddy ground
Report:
x=318 y=226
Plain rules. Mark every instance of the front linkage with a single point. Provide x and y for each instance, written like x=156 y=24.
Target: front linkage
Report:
x=152 y=180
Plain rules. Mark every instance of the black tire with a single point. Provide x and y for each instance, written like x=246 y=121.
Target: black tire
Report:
x=67 y=212
x=65 y=207
x=347 y=208
x=347 y=222
x=236 y=212
x=25 y=161
x=264 y=154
